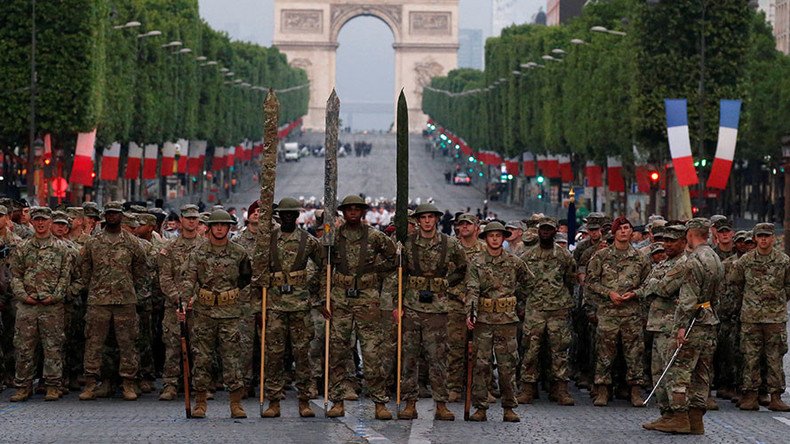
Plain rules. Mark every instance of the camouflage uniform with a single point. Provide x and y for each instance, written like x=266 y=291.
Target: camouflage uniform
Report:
x=41 y=269
x=250 y=335
x=145 y=307
x=8 y=241
x=583 y=345
x=728 y=308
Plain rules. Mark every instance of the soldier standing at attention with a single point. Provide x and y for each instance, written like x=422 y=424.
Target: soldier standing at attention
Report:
x=291 y=296
x=217 y=275
x=497 y=281
x=41 y=269
x=762 y=276
x=434 y=263
x=112 y=266
x=360 y=256
x=613 y=272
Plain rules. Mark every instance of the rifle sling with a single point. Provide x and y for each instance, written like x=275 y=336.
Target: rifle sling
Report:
x=363 y=256
x=441 y=267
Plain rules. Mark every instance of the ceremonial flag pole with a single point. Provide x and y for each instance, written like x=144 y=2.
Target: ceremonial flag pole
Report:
x=330 y=208
x=401 y=218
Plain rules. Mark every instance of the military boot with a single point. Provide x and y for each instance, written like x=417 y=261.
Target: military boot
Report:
x=105 y=389
x=442 y=413
x=22 y=394
x=53 y=394
x=749 y=401
x=676 y=422
x=479 y=416
x=652 y=424
x=510 y=416
x=696 y=426
x=304 y=409
x=409 y=412
x=337 y=410
x=236 y=409
x=89 y=392
x=777 y=405
x=382 y=413
x=146 y=386
x=168 y=394
x=129 y=393
x=724 y=393
x=636 y=396
x=711 y=404
x=563 y=397
x=553 y=391
x=601 y=395
x=527 y=394
x=273 y=411
x=200 y=405
x=764 y=399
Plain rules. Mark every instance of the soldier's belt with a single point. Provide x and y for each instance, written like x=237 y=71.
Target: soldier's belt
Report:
x=500 y=305
x=704 y=305
x=346 y=282
x=295 y=278
x=218 y=299
x=432 y=284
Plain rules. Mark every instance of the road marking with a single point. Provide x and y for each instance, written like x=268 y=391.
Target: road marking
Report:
x=422 y=426
x=783 y=420
x=358 y=426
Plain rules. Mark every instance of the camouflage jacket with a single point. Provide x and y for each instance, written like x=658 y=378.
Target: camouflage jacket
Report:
x=703 y=272
x=247 y=240
x=579 y=251
x=23 y=231
x=457 y=293
x=172 y=260
x=8 y=242
x=728 y=304
x=112 y=267
x=218 y=269
x=423 y=261
x=378 y=258
x=518 y=249
x=723 y=254
x=555 y=276
x=497 y=277
x=306 y=288
x=764 y=283
x=616 y=270
x=77 y=284
x=41 y=268
x=145 y=290
x=660 y=290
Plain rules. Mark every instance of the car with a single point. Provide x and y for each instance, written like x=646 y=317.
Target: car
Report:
x=462 y=179
x=292 y=152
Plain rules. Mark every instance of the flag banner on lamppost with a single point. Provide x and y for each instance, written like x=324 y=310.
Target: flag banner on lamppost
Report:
x=230 y=156
x=109 y=162
x=218 y=162
x=133 y=161
x=566 y=170
x=680 y=142
x=182 y=149
x=168 y=158
x=530 y=168
x=614 y=175
x=552 y=170
x=729 y=116
x=149 y=163
x=81 y=171
x=197 y=156
x=594 y=174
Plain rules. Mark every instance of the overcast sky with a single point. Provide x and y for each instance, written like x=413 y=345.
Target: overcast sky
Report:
x=365 y=64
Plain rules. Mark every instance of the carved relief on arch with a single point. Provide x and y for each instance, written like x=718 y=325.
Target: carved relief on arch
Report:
x=304 y=21
x=425 y=70
x=392 y=15
x=430 y=23
x=301 y=63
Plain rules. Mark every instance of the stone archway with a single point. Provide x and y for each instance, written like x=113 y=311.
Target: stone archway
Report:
x=425 y=34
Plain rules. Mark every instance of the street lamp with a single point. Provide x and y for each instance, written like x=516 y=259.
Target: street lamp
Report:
x=201 y=58
x=128 y=25
x=153 y=33
x=173 y=44
x=224 y=70
x=558 y=51
x=607 y=31
x=578 y=42
x=184 y=51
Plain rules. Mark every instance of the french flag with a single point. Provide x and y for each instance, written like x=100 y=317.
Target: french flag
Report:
x=218 y=163
x=182 y=149
x=149 y=163
x=82 y=170
x=594 y=174
x=197 y=152
x=529 y=164
x=552 y=170
x=566 y=171
x=133 y=161
x=729 y=115
x=168 y=158
x=679 y=142
x=511 y=166
x=230 y=156
x=109 y=162
x=614 y=175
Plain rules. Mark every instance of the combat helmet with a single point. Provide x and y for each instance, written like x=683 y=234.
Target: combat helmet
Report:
x=219 y=217
x=494 y=226
x=353 y=200
x=288 y=204
x=426 y=208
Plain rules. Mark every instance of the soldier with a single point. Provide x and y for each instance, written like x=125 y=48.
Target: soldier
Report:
x=434 y=263
x=291 y=295
x=361 y=254
x=8 y=241
x=41 y=269
x=515 y=243
x=148 y=298
x=724 y=235
x=689 y=378
x=660 y=292
x=92 y=218
x=172 y=257
x=497 y=282
x=613 y=272
x=548 y=312
x=112 y=265
x=216 y=279
x=762 y=276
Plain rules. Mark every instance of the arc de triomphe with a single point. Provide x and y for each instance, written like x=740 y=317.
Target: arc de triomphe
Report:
x=425 y=34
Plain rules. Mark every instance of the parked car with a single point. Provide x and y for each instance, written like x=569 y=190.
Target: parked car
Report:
x=462 y=179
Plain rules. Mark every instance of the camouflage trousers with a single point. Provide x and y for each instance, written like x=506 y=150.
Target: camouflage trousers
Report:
x=171 y=337
x=211 y=336
x=98 y=320
x=424 y=333
x=495 y=340
x=767 y=341
x=693 y=368
x=37 y=324
x=283 y=327
x=249 y=333
x=75 y=339
x=145 y=341
x=367 y=322
x=456 y=347
x=7 y=363
x=629 y=329
x=728 y=360
x=317 y=344
x=556 y=325
x=662 y=344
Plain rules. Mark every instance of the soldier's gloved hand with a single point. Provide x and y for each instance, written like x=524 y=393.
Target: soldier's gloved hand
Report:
x=615 y=298
x=30 y=301
x=181 y=315
x=326 y=313
x=47 y=301
x=681 y=337
x=470 y=324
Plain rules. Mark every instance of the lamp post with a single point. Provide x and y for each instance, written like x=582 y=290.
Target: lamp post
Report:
x=786 y=218
x=30 y=176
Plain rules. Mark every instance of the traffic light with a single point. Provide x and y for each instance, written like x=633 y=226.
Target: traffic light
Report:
x=654 y=179
x=540 y=179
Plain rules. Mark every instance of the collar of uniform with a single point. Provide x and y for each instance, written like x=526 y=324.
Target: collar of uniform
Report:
x=352 y=234
x=221 y=250
x=428 y=241
x=289 y=236
x=494 y=259
x=45 y=242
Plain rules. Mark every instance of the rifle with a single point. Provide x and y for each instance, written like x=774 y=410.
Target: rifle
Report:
x=470 y=365
x=185 y=358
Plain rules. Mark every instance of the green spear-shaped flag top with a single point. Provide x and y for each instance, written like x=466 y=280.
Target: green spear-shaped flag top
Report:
x=402 y=170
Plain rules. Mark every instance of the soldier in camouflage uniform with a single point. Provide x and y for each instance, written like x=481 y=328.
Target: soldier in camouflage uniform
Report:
x=112 y=265
x=434 y=263
x=8 y=241
x=250 y=334
x=613 y=272
x=725 y=246
x=41 y=269
x=762 y=277
x=291 y=295
x=216 y=279
x=14 y=209
x=548 y=312
x=689 y=377
x=516 y=239
x=172 y=259
x=498 y=281
x=146 y=301
x=360 y=255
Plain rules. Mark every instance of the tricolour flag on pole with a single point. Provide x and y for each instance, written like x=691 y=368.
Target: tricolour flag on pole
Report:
x=82 y=170
x=729 y=115
x=218 y=163
x=149 y=162
x=182 y=151
x=529 y=164
x=168 y=158
x=679 y=141
x=133 y=161
x=566 y=170
x=230 y=156
x=109 y=162
x=197 y=152
x=594 y=174
x=614 y=175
